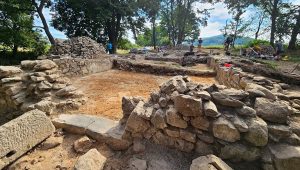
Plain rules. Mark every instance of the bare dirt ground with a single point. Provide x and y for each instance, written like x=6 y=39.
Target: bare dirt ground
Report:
x=64 y=157
x=105 y=90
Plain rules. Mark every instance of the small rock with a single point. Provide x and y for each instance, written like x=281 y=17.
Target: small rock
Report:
x=225 y=100
x=51 y=142
x=92 y=160
x=188 y=136
x=172 y=132
x=137 y=164
x=203 y=95
x=138 y=146
x=162 y=102
x=9 y=71
x=235 y=94
x=83 y=144
x=200 y=123
x=203 y=148
x=268 y=93
x=158 y=119
x=246 y=111
x=240 y=124
x=210 y=109
x=209 y=162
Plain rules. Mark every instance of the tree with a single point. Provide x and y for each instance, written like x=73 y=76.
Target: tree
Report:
x=181 y=19
x=151 y=8
x=295 y=31
x=16 y=25
x=89 y=17
x=39 y=9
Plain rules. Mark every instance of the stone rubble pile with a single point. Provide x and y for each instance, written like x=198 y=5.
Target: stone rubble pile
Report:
x=265 y=50
x=36 y=85
x=233 y=124
x=77 y=47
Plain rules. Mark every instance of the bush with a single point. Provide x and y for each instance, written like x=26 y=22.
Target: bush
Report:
x=6 y=57
x=125 y=44
x=256 y=43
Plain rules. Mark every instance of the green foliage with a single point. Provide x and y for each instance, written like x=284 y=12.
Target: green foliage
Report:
x=16 y=29
x=125 y=44
x=257 y=42
x=145 y=39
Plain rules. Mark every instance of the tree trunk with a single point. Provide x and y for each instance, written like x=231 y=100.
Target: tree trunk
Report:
x=153 y=32
x=41 y=15
x=133 y=29
x=274 y=16
x=295 y=32
x=261 y=20
x=15 y=51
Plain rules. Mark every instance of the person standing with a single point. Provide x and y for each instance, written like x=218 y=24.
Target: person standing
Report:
x=200 y=41
x=110 y=48
x=279 y=49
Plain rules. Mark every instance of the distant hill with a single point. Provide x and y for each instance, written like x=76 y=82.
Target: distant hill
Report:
x=219 y=40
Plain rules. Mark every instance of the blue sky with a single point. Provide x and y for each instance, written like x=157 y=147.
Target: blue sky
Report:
x=217 y=20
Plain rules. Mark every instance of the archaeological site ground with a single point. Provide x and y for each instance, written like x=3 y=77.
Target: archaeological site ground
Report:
x=83 y=109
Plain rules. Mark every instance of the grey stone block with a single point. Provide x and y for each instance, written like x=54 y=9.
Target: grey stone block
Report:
x=22 y=134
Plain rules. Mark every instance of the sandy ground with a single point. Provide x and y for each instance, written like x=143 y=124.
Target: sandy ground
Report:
x=105 y=90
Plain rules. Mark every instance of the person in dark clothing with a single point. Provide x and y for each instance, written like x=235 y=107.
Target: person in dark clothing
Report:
x=228 y=42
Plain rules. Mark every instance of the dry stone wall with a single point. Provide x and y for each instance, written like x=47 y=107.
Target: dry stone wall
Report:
x=36 y=85
x=77 y=47
x=80 y=67
x=233 y=124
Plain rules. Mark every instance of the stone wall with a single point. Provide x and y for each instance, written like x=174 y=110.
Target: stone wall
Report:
x=80 y=67
x=36 y=85
x=236 y=125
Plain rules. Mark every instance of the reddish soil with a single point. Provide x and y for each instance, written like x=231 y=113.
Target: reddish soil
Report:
x=105 y=90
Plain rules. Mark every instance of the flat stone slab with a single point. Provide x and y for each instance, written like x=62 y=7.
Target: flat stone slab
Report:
x=99 y=128
x=23 y=133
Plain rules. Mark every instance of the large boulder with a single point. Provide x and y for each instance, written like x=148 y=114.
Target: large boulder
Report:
x=273 y=111
x=257 y=133
x=92 y=160
x=285 y=157
x=226 y=100
x=225 y=130
x=209 y=162
x=188 y=106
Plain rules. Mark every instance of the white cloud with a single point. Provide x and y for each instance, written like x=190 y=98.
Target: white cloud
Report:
x=212 y=29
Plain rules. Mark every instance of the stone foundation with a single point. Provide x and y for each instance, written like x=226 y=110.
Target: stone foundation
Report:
x=233 y=124
x=80 y=67
x=36 y=85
